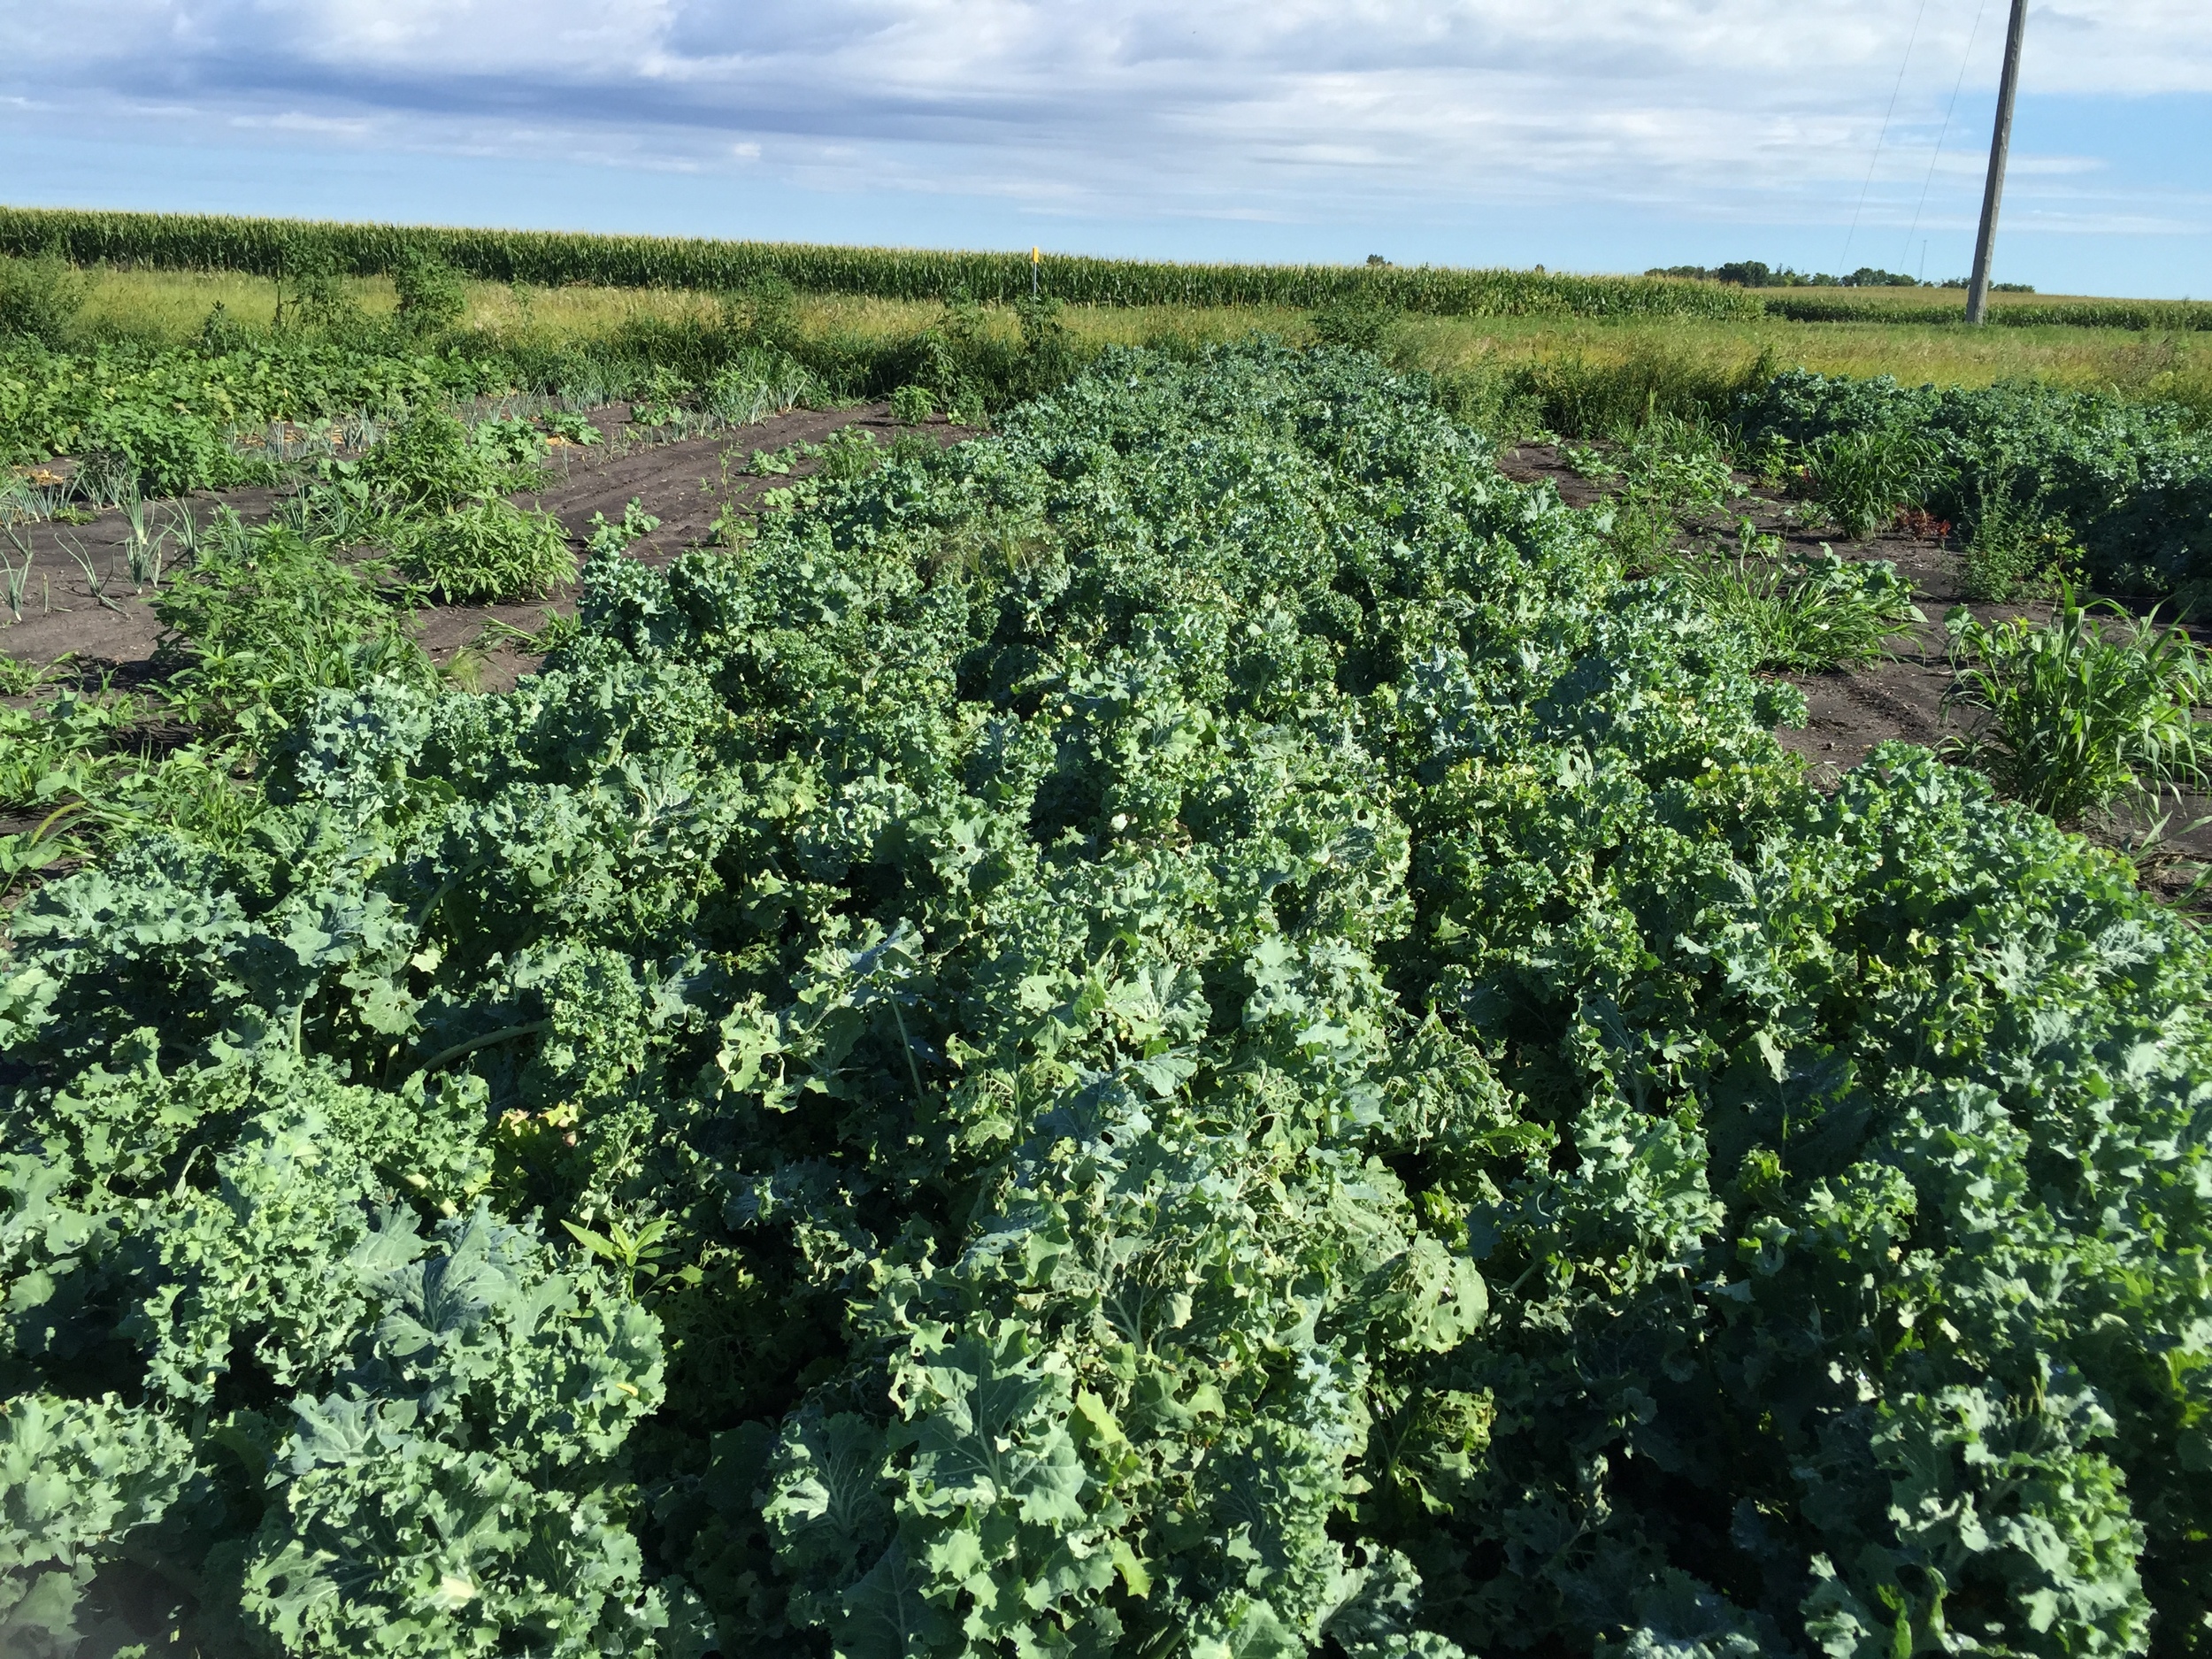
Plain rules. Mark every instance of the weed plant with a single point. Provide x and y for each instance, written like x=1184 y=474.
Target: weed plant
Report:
x=571 y=426
x=607 y=541
x=79 y=769
x=1680 y=462
x=431 y=293
x=432 y=461
x=2096 y=709
x=765 y=314
x=222 y=333
x=955 y=351
x=1050 y=355
x=265 y=619
x=20 y=679
x=912 y=405
x=849 y=453
x=484 y=550
x=1670 y=469
x=61 y=768
x=779 y=462
x=513 y=445
x=309 y=293
x=660 y=400
x=1582 y=394
x=966 y=408
x=1864 y=479
x=40 y=298
x=1359 y=321
x=554 y=632
x=1810 y=615
x=911 y=447
x=1642 y=533
x=2016 y=546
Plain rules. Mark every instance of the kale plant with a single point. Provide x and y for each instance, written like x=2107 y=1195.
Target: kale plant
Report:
x=2131 y=483
x=1185 y=1030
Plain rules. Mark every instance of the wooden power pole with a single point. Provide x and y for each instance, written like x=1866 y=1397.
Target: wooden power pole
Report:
x=1999 y=146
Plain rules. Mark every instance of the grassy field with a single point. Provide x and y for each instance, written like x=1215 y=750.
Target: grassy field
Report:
x=1918 y=346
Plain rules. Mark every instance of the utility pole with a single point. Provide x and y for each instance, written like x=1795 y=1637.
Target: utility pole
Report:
x=1999 y=146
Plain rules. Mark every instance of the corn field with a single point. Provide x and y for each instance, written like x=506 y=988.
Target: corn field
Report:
x=208 y=242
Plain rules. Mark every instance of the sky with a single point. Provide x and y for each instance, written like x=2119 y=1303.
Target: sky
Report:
x=1581 y=134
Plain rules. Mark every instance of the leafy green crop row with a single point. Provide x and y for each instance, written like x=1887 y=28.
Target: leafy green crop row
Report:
x=1186 y=1031
x=172 y=413
x=208 y=242
x=180 y=418
x=2131 y=482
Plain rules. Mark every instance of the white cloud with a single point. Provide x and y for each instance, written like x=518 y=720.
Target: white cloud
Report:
x=1273 y=108
x=298 y=121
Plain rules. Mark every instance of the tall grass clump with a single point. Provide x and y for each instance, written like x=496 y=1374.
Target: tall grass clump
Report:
x=1809 y=615
x=2096 y=709
x=1583 y=396
x=1864 y=479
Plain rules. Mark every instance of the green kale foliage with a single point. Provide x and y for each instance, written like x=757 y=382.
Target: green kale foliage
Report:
x=1185 y=1030
x=2131 y=481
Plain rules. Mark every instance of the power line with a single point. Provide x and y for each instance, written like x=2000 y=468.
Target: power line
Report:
x=1883 y=137
x=1965 y=63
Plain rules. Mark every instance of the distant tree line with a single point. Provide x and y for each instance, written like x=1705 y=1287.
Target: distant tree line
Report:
x=1754 y=273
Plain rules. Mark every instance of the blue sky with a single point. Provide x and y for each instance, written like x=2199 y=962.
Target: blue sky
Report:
x=1584 y=135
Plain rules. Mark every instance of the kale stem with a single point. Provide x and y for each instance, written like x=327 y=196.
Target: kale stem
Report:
x=505 y=1034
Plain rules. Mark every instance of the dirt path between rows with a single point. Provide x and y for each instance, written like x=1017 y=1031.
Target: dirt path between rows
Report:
x=104 y=622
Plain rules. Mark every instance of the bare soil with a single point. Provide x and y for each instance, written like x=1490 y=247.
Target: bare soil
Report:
x=105 y=625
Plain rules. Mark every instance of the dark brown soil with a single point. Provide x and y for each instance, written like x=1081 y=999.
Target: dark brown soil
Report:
x=106 y=626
